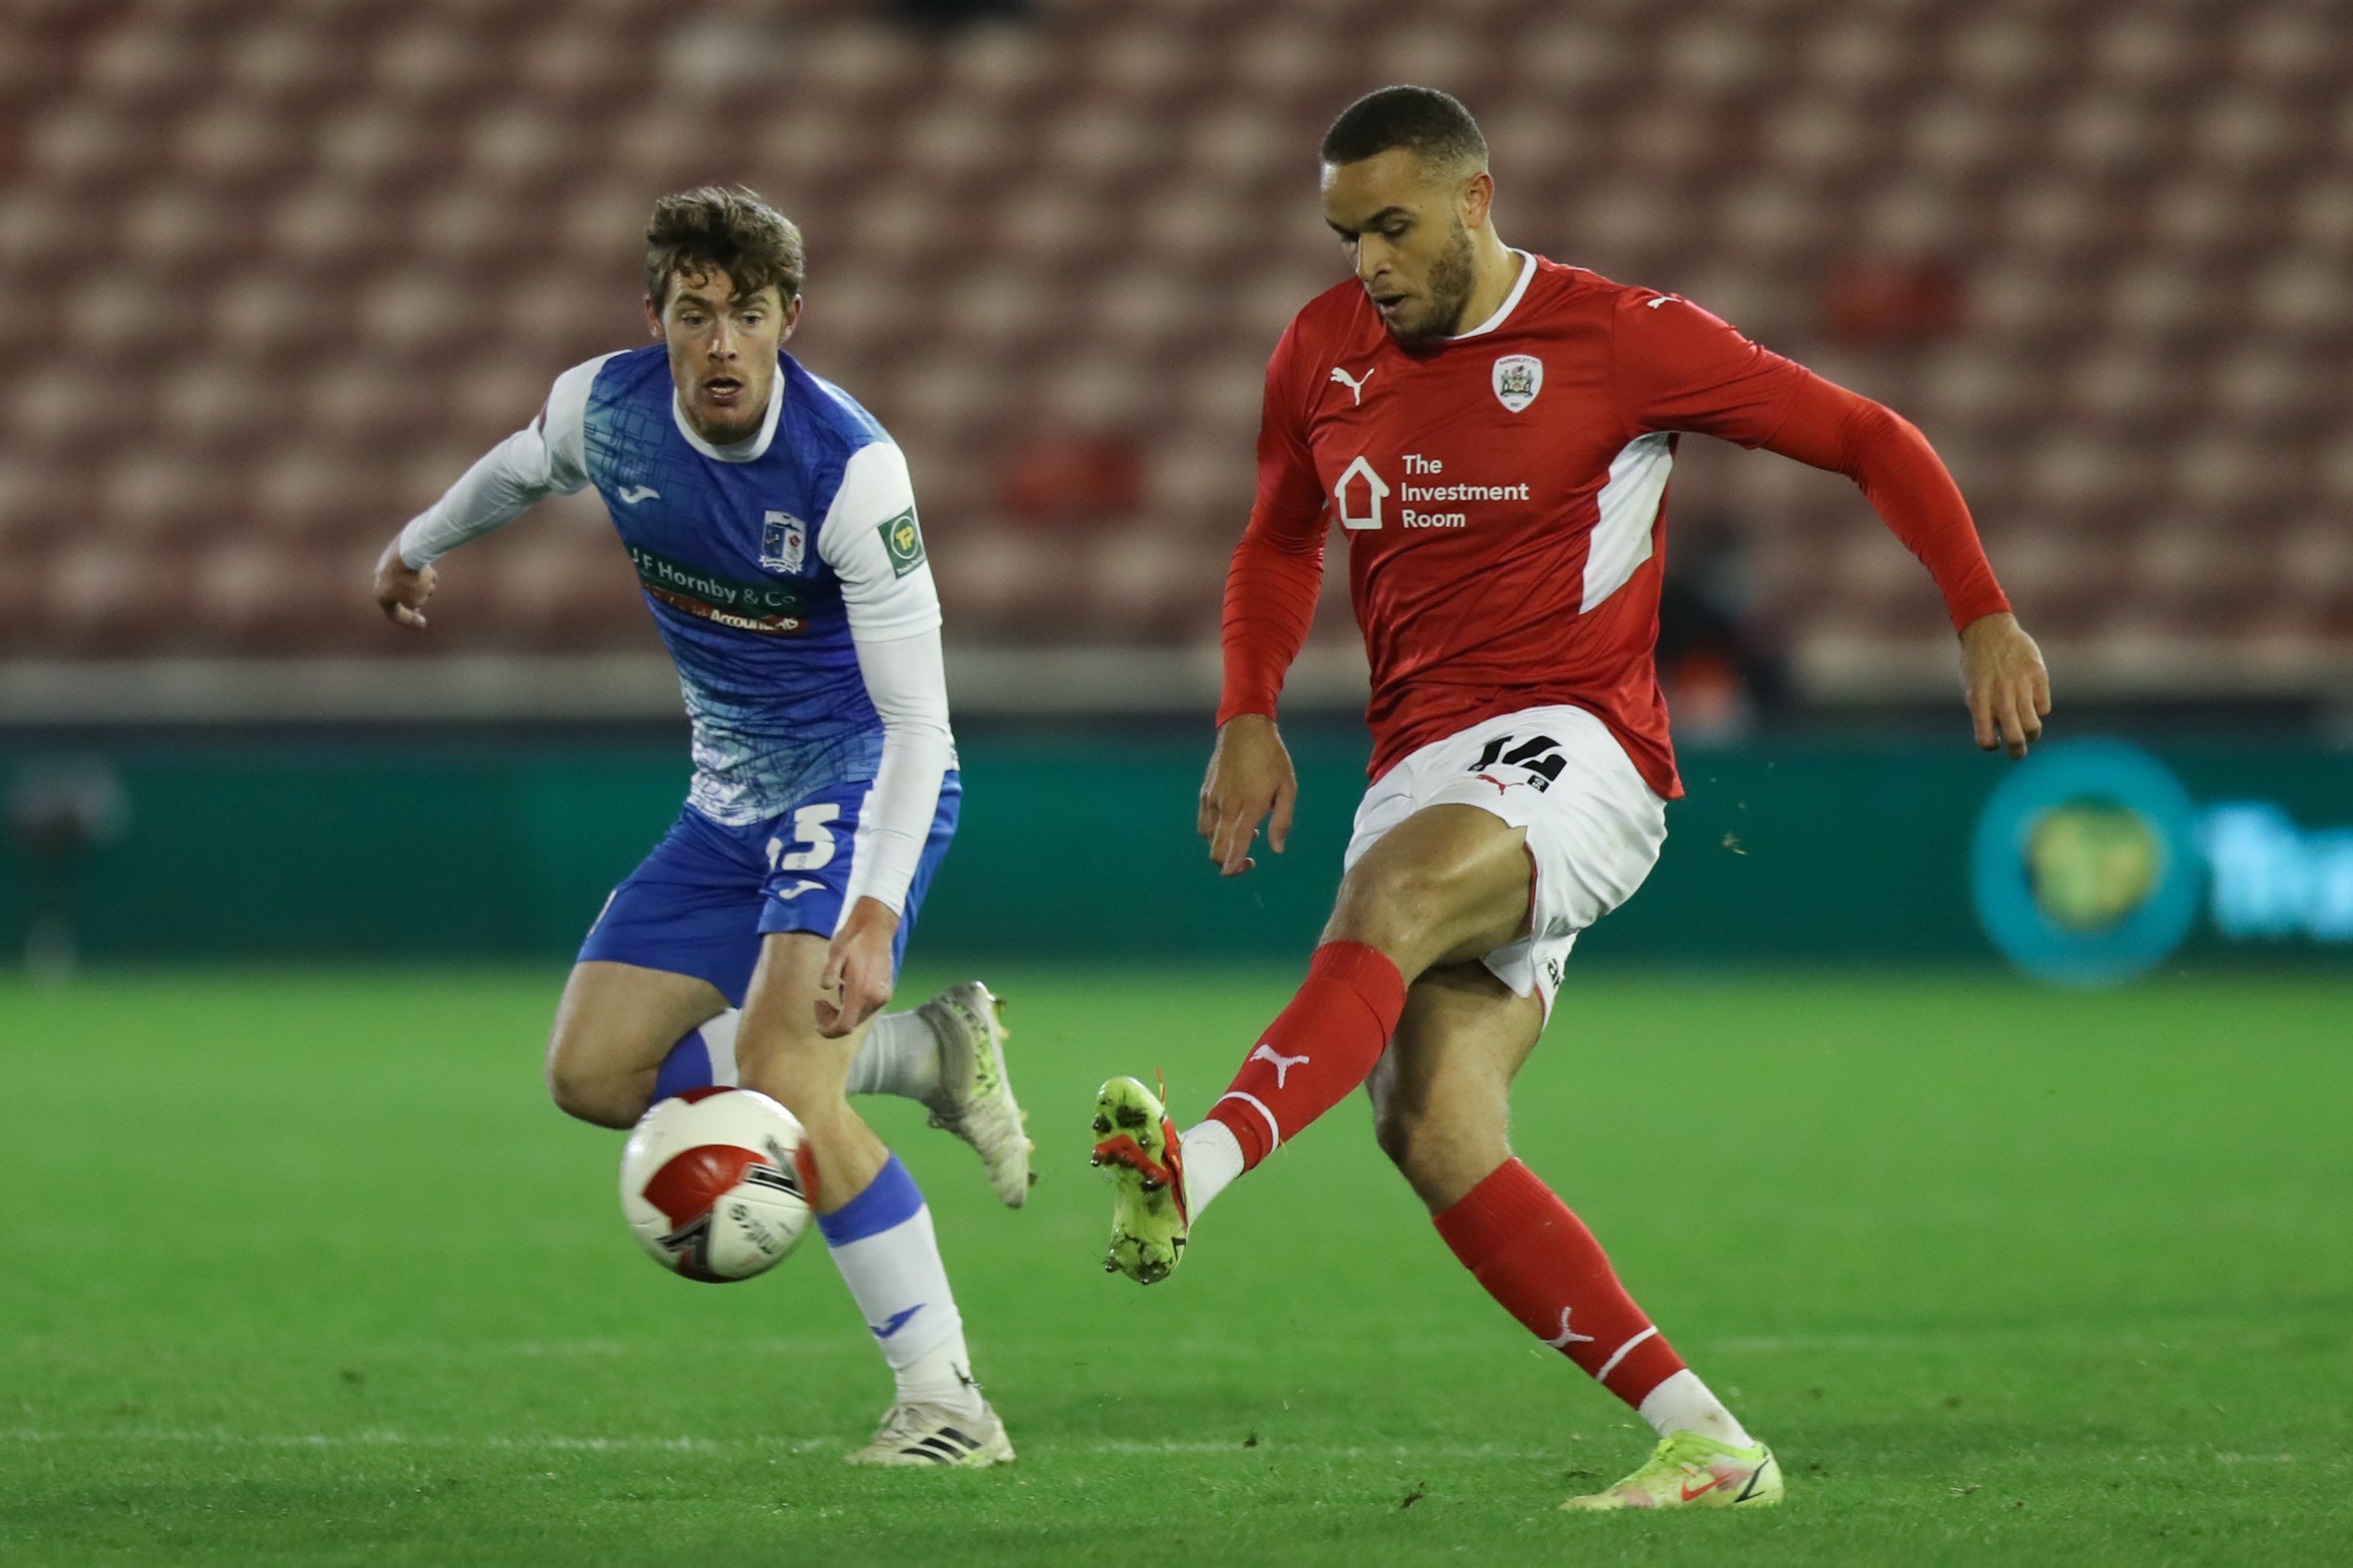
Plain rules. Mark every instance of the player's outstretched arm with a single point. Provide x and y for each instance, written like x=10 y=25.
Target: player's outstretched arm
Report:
x=1680 y=368
x=2008 y=689
x=1250 y=780
x=542 y=459
x=2007 y=685
x=401 y=590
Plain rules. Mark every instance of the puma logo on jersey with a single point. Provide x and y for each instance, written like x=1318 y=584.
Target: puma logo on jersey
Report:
x=636 y=493
x=1283 y=1064
x=1662 y=299
x=1566 y=1338
x=1354 y=385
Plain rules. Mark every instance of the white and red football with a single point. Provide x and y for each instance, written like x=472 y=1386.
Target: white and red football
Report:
x=713 y=1186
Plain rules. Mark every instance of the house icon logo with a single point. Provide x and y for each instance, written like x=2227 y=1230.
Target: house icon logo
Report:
x=1376 y=490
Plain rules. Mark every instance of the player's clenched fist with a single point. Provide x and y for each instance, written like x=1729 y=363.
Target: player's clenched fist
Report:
x=1250 y=777
x=2008 y=689
x=401 y=591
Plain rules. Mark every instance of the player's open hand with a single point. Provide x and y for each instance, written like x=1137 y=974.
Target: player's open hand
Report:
x=1250 y=777
x=400 y=591
x=2008 y=689
x=857 y=980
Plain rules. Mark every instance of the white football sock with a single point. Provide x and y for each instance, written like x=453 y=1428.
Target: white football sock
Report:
x=941 y=1375
x=889 y=1256
x=719 y=1039
x=1682 y=1404
x=899 y=1056
x=1213 y=1158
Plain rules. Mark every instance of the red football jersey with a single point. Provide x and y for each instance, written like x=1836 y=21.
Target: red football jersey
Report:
x=1502 y=498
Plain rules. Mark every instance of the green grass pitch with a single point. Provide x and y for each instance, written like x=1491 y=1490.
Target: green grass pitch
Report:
x=303 y=1269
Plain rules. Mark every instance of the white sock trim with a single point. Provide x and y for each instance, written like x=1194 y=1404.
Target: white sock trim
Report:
x=941 y=1375
x=1683 y=1403
x=1273 y=1128
x=719 y=1046
x=1619 y=1354
x=1213 y=1158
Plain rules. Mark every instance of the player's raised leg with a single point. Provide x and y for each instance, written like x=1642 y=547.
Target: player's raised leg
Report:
x=1441 y=1111
x=873 y=1217
x=627 y=1034
x=1449 y=883
x=948 y=1055
x=617 y=1026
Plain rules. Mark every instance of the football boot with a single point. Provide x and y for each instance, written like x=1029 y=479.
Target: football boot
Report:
x=1136 y=1148
x=976 y=1095
x=1688 y=1470
x=936 y=1434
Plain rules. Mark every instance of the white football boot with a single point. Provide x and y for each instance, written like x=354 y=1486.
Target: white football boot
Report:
x=936 y=1434
x=975 y=1097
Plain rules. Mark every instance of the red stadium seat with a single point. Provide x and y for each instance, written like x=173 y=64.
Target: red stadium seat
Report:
x=104 y=595
x=42 y=501
x=230 y=145
x=2144 y=50
x=302 y=262
x=138 y=68
x=283 y=59
x=1148 y=583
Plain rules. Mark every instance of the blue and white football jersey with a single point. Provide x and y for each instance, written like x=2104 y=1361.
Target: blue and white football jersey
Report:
x=755 y=558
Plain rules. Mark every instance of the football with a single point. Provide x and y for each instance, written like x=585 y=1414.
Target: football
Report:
x=711 y=1183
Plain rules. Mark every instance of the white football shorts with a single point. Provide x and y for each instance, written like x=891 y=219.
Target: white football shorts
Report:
x=1594 y=828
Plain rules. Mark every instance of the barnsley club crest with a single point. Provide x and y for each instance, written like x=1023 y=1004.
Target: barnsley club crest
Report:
x=1518 y=379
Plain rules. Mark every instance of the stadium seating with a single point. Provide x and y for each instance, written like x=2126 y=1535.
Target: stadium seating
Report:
x=270 y=274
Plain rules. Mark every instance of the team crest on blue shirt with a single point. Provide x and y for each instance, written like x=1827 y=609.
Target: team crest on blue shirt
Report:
x=1518 y=379
x=784 y=543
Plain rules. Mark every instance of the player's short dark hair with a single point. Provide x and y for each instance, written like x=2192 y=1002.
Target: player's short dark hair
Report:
x=731 y=231
x=1431 y=125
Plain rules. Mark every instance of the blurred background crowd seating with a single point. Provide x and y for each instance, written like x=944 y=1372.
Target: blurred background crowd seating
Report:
x=271 y=275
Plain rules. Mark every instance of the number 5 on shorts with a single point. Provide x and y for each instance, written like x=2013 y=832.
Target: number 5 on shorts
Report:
x=813 y=838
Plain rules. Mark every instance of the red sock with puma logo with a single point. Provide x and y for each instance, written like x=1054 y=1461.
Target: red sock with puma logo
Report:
x=1540 y=1262
x=1319 y=1050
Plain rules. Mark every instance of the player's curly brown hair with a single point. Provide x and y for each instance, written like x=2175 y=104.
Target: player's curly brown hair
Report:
x=732 y=231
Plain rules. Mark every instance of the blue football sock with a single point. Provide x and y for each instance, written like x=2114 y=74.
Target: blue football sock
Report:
x=702 y=1056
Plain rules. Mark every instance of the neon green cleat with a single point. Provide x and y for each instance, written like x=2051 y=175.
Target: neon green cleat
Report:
x=1136 y=1147
x=1687 y=1470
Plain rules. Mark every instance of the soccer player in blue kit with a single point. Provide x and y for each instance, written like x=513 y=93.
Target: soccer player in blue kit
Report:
x=772 y=526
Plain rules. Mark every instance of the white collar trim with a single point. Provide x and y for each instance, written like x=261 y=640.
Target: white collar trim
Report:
x=750 y=446
x=1527 y=275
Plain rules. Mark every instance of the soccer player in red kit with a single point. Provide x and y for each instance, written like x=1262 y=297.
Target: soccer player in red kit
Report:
x=1493 y=432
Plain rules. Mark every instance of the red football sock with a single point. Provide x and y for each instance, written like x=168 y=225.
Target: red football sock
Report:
x=1322 y=1047
x=1538 y=1259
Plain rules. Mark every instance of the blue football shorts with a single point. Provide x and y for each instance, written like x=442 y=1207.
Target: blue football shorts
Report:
x=703 y=902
